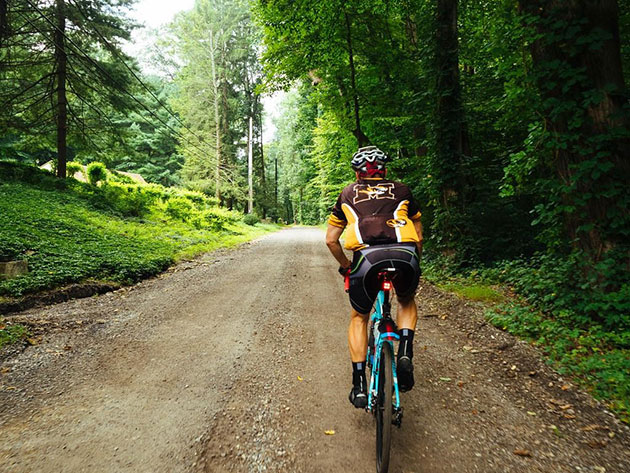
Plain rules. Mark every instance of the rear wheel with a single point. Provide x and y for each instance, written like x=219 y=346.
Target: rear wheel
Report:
x=384 y=410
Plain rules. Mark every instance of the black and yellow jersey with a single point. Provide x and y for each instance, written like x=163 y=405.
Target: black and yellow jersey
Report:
x=376 y=212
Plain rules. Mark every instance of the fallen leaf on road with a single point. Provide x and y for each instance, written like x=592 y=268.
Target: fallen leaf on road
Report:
x=566 y=406
x=531 y=413
x=591 y=427
x=522 y=452
x=565 y=387
x=34 y=340
x=597 y=443
x=329 y=432
x=445 y=379
x=300 y=378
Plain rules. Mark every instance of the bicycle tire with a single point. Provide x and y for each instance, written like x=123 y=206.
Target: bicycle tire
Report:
x=384 y=410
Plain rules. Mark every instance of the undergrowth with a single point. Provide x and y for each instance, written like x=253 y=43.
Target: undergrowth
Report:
x=536 y=300
x=10 y=334
x=70 y=231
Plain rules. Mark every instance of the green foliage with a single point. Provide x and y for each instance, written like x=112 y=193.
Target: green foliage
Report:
x=251 y=219
x=11 y=334
x=73 y=167
x=180 y=208
x=28 y=83
x=594 y=356
x=69 y=231
x=96 y=172
x=216 y=45
x=475 y=292
x=129 y=200
x=217 y=219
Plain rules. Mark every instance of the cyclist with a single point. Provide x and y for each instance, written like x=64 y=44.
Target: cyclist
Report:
x=383 y=230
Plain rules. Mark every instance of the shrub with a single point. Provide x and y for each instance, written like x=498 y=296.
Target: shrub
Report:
x=215 y=219
x=73 y=167
x=116 y=176
x=251 y=219
x=96 y=172
x=129 y=200
x=180 y=208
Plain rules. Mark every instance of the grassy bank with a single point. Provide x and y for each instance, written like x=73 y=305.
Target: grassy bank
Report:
x=71 y=232
x=596 y=357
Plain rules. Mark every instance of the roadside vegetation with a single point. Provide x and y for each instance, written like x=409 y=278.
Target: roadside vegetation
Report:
x=539 y=305
x=70 y=231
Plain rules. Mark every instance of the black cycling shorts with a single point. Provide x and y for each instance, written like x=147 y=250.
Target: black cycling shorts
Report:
x=366 y=265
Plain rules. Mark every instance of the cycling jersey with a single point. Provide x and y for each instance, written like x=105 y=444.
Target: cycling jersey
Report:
x=376 y=212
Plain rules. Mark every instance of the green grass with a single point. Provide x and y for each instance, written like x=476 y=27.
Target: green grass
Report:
x=475 y=292
x=71 y=232
x=11 y=334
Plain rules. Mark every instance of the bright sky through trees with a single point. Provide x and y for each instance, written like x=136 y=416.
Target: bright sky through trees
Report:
x=154 y=13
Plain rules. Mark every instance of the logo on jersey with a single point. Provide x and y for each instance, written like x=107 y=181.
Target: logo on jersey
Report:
x=379 y=191
x=396 y=222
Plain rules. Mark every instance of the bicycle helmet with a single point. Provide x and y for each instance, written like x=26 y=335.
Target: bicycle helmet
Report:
x=369 y=160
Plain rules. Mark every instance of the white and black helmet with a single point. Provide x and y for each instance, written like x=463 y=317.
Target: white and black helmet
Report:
x=368 y=154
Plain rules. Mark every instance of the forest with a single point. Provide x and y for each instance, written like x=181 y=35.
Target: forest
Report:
x=508 y=119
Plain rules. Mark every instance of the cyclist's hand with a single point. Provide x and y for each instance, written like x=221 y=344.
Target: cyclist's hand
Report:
x=345 y=271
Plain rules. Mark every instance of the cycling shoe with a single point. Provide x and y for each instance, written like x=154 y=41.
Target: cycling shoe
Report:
x=358 y=396
x=404 y=371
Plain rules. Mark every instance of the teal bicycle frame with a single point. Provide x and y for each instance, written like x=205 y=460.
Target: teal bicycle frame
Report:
x=382 y=330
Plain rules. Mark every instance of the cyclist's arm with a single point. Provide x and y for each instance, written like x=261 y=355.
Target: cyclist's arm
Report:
x=418 y=226
x=333 y=233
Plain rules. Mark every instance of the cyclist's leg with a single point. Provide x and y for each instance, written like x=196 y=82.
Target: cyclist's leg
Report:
x=361 y=300
x=407 y=313
x=357 y=341
x=407 y=319
x=357 y=336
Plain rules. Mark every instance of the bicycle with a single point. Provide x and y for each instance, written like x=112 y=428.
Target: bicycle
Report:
x=383 y=393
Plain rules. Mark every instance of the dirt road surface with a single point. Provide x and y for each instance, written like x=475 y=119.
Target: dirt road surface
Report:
x=237 y=362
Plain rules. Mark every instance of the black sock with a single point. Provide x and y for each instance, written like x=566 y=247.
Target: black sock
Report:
x=358 y=372
x=405 y=348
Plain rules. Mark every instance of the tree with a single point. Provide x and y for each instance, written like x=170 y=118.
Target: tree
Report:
x=578 y=70
x=216 y=40
x=61 y=61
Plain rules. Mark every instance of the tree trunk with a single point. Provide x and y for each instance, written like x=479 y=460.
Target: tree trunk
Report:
x=450 y=133
x=217 y=125
x=62 y=104
x=250 y=166
x=4 y=25
x=597 y=223
x=358 y=133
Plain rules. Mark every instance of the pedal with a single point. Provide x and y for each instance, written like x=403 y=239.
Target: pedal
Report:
x=397 y=417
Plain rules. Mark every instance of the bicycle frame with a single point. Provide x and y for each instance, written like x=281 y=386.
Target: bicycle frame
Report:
x=383 y=330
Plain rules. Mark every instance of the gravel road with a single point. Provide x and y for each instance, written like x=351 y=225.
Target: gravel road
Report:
x=237 y=362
